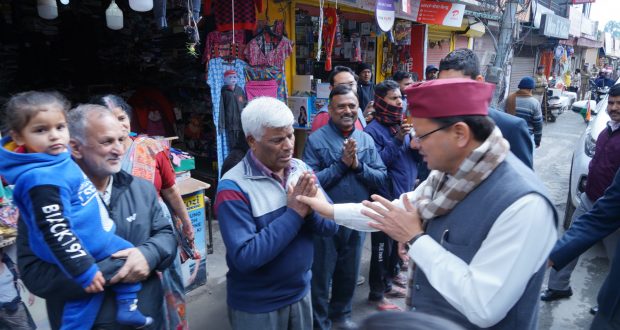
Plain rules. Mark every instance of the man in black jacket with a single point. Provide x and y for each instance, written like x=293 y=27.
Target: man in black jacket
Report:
x=96 y=143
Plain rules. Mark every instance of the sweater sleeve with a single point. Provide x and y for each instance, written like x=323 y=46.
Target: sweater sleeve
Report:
x=52 y=219
x=248 y=245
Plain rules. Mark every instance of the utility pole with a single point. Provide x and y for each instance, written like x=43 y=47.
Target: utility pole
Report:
x=496 y=73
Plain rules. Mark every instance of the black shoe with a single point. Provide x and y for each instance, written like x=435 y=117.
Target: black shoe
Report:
x=551 y=295
x=345 y=324
x=594 y=310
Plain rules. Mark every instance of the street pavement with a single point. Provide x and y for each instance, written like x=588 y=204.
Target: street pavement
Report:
x=207 y=305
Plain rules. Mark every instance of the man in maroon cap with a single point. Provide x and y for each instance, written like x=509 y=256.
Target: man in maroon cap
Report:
x=479 y=229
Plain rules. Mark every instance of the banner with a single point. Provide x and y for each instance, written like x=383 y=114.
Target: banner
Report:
x=438 y=13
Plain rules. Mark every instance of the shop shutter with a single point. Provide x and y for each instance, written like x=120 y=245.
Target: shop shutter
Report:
x=460 y=41
x=436 y=51
x=521 y=67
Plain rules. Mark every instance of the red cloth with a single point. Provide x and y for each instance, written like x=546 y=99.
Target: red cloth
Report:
x=322 y=118
x=245 y=13
x=164 y=175
x=449 y=97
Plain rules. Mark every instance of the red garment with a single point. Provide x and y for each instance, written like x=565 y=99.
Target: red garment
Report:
x=322 y=118
x=259 y=52
x=220 y=44
x=245 y=13
x=164 y=175
x=254 y=89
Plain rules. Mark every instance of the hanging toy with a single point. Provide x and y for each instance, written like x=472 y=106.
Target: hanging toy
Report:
x=329 y=33
x=319 y=46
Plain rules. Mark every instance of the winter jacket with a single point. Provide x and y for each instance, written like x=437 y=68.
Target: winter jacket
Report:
x=269 y=247
x=604 y=164
x=323 y=152
x=401 y=161
x=514 y=129
x=584 y=232
x=135 y=209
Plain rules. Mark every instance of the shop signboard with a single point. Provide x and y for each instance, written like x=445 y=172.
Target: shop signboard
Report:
x=554 y=26
x=438 y=13
x=539 y=10
x=385 y=14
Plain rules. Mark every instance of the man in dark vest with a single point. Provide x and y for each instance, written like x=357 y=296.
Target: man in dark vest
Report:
x=479 y=229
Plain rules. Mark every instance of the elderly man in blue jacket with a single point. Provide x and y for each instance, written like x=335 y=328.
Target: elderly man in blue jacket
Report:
x=349 y=168
x=602 y=220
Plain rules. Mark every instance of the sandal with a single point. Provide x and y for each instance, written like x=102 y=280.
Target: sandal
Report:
x=385 y=305
x=396 y=292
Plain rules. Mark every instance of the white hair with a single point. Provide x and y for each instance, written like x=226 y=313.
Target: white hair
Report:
x=265 y=112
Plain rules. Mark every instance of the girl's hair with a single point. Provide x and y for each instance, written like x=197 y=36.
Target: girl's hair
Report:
x=23 y=106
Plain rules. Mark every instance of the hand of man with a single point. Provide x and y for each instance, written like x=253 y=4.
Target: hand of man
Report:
x=134 y=270
x=401 y=225
x=353 y=153
x=188 y=230
x=369 y=111
x=319 y=204
x=402 y=252
x=403 y=130
x=346 y=153
x=305 y=187
x=31 y=299
x=97 y=284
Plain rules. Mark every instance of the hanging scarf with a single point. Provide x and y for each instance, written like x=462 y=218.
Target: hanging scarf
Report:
x=389 y=115
x=511 y=101
x=442 y=192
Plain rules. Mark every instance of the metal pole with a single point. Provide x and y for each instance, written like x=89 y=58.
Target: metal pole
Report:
x=506 y=37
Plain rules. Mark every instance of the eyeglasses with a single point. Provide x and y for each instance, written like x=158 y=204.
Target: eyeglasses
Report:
x=350 y=84
x=418 y=139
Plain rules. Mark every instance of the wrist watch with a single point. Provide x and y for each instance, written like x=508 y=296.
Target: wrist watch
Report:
x=415 y=238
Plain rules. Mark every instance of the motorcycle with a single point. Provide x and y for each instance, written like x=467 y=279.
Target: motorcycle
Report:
x=597 y=92
x=554 y=104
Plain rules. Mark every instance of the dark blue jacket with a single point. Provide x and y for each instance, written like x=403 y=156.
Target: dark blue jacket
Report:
x=401 y=161
x=342 y=184
x=514 y=129
x=602 y=220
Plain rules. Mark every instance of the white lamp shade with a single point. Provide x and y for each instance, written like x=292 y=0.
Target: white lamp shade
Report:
x=47 y=9
x=141 y=5
x=64 y=2
x=114 y=17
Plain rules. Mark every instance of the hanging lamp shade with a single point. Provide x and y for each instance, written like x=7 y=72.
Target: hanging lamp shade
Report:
x=47 y=9
x=141 y=5
x=64 y=2
x=114 y=16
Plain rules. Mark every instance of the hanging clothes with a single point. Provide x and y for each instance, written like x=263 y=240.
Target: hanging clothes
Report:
x=231 y=103
x=244 y=11
x=269 y=73
x=261 y=51
x=220 y=44
x=215 y=79
x=256 y=88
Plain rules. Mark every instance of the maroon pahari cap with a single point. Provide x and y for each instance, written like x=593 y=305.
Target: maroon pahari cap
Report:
x=449 y=97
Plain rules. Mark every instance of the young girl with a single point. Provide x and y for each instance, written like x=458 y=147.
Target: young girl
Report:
x=68 y=225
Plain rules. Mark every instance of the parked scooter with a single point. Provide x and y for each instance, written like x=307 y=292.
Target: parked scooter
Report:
x=597 y=93
x=554 y=105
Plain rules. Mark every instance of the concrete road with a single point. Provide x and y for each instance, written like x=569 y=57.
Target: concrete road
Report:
x=207 y=308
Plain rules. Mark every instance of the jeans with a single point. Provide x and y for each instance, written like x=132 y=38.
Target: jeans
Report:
x=336 y=261
x=297 y=316
x=560 y=279
x=381 y=265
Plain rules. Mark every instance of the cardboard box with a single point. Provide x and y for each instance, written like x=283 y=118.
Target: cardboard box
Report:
x=302 y=110
x=195 y=271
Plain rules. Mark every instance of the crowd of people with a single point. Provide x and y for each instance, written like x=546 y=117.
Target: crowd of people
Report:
x=410 y=162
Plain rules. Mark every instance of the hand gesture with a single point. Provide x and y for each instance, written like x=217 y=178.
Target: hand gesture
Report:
x=402 y=131
x=401 y=225
x=369 y=111
x=96 y=285
x=305 y=187
x=319 y=204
